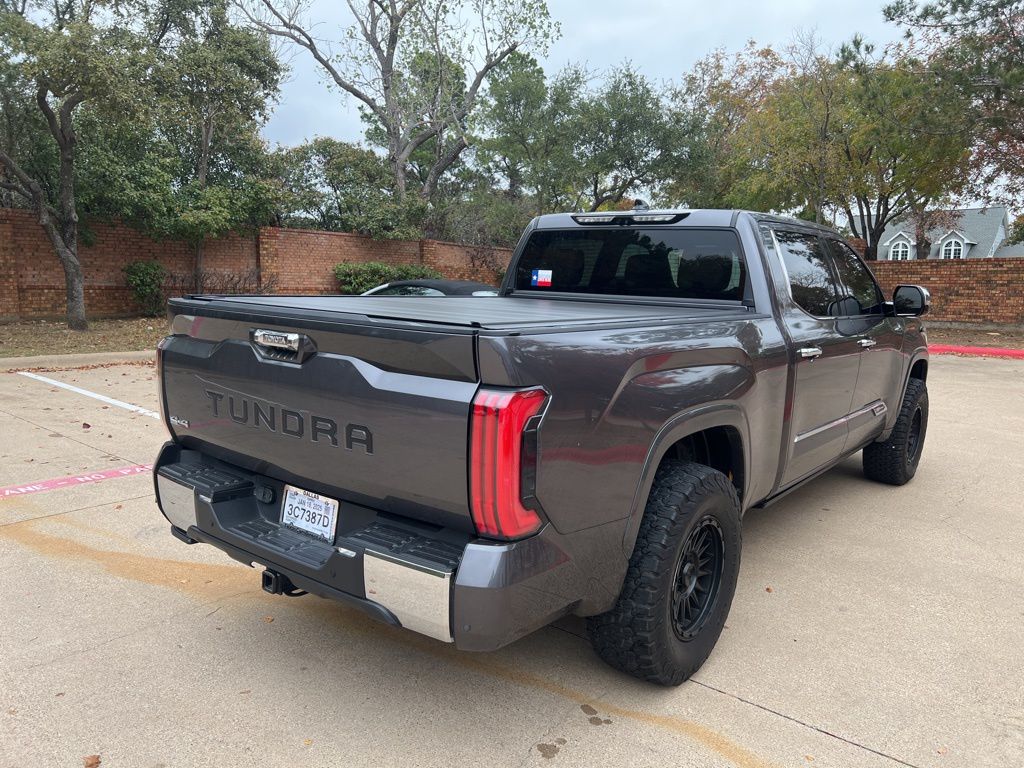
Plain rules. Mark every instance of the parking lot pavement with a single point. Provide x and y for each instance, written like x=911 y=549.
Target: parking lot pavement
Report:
x=872 y=626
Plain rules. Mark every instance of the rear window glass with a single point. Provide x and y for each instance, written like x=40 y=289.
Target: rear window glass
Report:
x=667 y=263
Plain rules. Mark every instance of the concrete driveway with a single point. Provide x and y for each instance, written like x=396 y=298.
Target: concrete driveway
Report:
x=872 y=626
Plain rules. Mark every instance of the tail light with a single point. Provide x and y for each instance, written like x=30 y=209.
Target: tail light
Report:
x=503 y=461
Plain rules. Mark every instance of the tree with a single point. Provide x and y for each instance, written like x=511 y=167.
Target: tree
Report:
x=1016 y=233
x=213 y=85
x=977 y=48
x=530 y=124
x=621 y=135
x=328 y=184
x=785 y=154
x=872 y=137
x=903 y=144
x=58 y=58
x=382 y=59
x=709 y=108
x=927 y=217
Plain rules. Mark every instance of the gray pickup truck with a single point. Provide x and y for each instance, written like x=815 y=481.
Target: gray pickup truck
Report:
x=584 y=443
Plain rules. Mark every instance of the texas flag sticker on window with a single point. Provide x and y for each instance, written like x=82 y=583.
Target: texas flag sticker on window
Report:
x=541 y=278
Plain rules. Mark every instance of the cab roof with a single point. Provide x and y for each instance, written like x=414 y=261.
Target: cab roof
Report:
x=700 y=217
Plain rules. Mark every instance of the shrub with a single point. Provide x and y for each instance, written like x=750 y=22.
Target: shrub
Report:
x=359 y=278
x=146 y=281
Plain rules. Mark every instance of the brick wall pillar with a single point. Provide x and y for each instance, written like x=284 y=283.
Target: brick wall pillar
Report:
x=267 y=257
x=10 y=302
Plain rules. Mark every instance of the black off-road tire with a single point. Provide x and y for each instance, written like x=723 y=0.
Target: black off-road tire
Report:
x=895 y=461
x=642 y=635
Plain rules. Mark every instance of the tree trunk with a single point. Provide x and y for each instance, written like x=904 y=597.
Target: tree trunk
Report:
x=75 y=293
x=74 y=280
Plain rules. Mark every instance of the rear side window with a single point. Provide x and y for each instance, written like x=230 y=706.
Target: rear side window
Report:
x=667 y=263
x=860 y=294
x=810 y=279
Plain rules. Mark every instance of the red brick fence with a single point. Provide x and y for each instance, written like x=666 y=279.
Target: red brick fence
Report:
x=290 y=260
x=301 y=261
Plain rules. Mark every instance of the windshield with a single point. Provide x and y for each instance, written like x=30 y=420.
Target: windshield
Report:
x=668 y=263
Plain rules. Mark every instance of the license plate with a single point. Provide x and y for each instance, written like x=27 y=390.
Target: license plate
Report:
x=309 y=512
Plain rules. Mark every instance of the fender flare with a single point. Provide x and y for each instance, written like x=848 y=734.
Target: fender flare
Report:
x=675 y=429
x=919 y=354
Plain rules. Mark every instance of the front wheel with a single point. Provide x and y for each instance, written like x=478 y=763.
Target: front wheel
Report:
x=680 y=580
x=895 y=461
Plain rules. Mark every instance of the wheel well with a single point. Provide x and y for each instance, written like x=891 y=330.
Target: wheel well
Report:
x=920 y=370
x=720 y=448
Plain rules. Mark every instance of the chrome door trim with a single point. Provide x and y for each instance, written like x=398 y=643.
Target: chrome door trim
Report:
x=877 y=408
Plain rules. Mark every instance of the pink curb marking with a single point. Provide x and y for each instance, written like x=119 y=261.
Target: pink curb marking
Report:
x=955 y=349
x=73 y=480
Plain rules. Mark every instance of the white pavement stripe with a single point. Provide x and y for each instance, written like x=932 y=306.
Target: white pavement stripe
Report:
x=94 y=395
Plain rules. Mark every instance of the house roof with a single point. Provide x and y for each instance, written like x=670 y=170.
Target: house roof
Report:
x=978 y=226
x=1017 y=249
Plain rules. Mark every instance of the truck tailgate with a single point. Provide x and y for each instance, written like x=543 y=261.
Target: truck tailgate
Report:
x=364 y=413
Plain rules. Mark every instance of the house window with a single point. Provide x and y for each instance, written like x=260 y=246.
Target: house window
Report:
x=953 y=249
x=899 y=252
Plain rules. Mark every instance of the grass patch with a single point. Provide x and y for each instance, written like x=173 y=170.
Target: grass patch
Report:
x=52 y=337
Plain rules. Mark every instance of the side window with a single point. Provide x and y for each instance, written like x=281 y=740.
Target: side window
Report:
x=810 y=279
x=857 y=282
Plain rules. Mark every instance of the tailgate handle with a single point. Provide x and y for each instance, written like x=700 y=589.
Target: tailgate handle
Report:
x=276 y=339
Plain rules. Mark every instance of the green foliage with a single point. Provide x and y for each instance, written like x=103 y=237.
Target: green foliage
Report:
x=976 y=47
x=333 y=185
x=146 y=281
x=359 y=278
x=1016 y=233
x=569 y=144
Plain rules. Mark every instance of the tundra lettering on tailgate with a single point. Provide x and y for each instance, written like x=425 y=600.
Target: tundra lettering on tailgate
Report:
x=301 y=424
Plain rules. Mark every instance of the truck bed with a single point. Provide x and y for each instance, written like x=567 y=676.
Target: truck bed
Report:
x=501 y=314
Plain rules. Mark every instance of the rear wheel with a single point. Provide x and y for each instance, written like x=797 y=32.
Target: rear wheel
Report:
x=895 y=461
x=680 y=581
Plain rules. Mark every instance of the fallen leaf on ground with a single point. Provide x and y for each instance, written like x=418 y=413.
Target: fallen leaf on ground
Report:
x=92 y=761
x=307 y=742
x=268 y=619
x=86 y=425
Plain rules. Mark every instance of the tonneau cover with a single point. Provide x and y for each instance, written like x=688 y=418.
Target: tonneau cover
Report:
x=492 y=313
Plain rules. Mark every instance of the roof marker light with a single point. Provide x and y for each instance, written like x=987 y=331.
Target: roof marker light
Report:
x=654 y=218
x=589 y=218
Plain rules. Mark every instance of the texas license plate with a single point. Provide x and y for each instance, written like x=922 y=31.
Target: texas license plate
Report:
x=309 y=512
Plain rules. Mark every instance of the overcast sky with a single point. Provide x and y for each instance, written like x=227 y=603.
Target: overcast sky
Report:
x=662 y=38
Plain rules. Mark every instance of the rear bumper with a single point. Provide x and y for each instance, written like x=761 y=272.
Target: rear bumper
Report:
x=439 y=582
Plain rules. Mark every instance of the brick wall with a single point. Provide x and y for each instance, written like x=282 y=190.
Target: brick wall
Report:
x=286 y=260
x=300 y=261
x=963 y=291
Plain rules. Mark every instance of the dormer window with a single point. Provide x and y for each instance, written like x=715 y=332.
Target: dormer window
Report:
x=953 y=249
x=899 y=251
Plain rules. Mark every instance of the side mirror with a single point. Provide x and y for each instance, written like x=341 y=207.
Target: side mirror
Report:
x=911 y=300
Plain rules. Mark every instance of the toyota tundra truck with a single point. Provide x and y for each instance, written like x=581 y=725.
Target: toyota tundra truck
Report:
x=586 y=442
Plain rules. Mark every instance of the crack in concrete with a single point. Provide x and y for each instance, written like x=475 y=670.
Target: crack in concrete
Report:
x=805 y=724
x=76 y=509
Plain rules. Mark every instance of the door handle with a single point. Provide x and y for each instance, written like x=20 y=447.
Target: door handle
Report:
x=867 y=343
x=809 y=352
